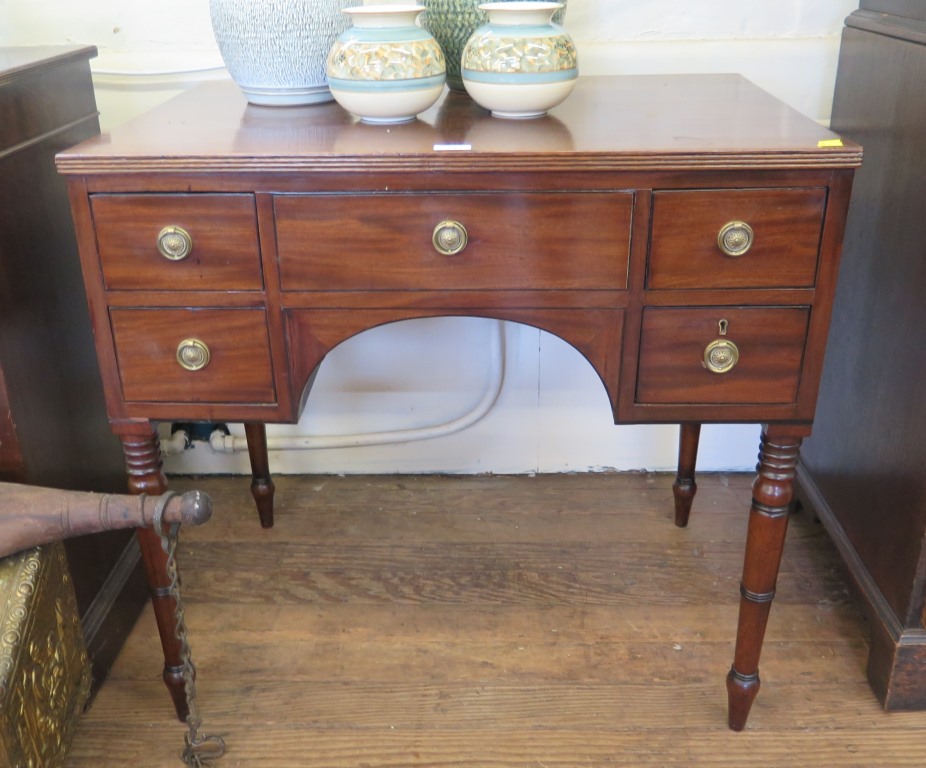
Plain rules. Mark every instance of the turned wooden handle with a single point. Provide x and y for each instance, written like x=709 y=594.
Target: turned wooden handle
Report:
x=30 y=516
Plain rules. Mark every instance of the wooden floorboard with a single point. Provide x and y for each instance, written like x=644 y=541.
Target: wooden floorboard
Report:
x=497 y=622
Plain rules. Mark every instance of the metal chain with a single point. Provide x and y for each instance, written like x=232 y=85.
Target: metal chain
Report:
x=199 y=750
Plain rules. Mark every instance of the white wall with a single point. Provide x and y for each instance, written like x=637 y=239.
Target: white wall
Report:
x=551 y=414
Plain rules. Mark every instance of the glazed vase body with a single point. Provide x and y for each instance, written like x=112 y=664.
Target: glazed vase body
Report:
x=386 y=68
x=520 y=64
x=452 y=22
x=275 y=50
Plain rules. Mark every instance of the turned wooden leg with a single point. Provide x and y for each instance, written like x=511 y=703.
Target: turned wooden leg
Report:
x=142 y=451
x=768 y=521
x=261 y=483
x=685 y=487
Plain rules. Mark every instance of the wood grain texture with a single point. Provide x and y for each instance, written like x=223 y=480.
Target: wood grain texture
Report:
x=517 y=240
x=595 y=333
x=771 y=352
x=223 y=228
x=510 y=673
x=786 y=224
x=648 y=122
x=238 y=369
x=685 y=487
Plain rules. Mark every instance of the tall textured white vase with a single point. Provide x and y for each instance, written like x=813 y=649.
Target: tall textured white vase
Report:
x=275 y=50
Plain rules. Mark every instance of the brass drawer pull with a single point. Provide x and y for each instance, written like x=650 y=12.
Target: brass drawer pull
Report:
x=735 y=238
x=175 y=243
x=450 y=237
x=721 y=355
x=192 y=354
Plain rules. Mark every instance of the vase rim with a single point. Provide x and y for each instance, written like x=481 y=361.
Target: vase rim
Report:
x=385 y=8
x=520 y=5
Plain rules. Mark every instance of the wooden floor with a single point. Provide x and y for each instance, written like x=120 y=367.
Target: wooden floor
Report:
x=502 y=622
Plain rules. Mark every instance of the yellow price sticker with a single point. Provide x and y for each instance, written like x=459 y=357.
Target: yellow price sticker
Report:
x=830 y=143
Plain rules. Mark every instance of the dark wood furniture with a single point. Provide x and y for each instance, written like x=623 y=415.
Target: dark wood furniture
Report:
x=864 y=471
x=51 y=394
x=682 y=233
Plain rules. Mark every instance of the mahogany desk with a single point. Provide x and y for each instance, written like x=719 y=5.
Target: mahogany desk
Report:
x=681 y=232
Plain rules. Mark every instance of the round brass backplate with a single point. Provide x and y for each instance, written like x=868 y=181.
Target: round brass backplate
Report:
x=450 y=237
x=735 y=238
x=193 y=354
x=175 y=243
x=721 y=356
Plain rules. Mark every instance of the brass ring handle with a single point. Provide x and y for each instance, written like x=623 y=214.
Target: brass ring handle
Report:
x=735 y=238
x=175 y=243
x=721 y=356
x=192 y=354
x=450 y=237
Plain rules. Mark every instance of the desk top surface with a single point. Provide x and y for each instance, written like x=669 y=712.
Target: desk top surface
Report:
x=616 y=122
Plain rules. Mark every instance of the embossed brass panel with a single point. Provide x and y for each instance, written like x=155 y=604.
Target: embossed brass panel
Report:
x=44 y=670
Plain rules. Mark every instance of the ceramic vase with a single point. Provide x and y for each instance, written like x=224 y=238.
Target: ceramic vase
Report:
x=386 y=68
x=275 y=50
x=520 y=64
x=452 y=22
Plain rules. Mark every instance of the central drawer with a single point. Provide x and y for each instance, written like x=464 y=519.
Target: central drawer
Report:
x=513 y=240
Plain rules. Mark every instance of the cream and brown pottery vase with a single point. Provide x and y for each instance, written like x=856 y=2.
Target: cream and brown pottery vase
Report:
x=520 y=64
x=452 y=22
x=386 y=68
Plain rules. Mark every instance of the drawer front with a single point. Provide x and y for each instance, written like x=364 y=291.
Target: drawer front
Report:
x=769 y=343
x=222 y=229
x=515 y=240
x=785 y=229
x=238 y=368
